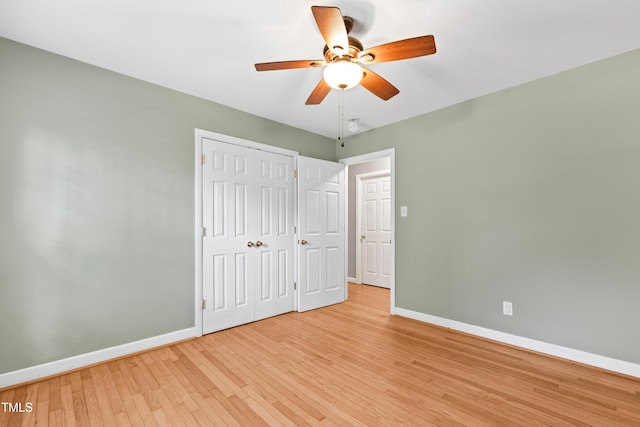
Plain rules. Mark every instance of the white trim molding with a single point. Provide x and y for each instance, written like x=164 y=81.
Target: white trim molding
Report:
x=579 y=356
x=83 y=360
x=391 y=154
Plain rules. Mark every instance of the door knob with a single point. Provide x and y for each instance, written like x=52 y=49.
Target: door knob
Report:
x=303 y=242
x=258 y=243
x=250 y=244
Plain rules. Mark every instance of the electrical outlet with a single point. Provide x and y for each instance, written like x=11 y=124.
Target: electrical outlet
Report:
x=507 y=308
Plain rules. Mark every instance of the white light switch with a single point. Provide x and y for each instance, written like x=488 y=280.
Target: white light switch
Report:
x=403 y=211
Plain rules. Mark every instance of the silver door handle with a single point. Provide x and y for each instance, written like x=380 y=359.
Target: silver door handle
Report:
x=259 y=243
x=250 y=244
x=303 y=242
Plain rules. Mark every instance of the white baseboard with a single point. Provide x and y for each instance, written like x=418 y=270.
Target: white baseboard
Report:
x=603 y=362
x=82 y=360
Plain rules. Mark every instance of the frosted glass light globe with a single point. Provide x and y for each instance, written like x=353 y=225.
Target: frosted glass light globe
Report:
x=342 y=74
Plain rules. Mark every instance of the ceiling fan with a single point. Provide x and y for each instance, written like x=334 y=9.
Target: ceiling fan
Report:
x=343 y=56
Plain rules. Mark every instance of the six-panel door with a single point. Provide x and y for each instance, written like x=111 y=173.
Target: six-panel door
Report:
x=376 y=229
x=247 y=211
x=321 y=218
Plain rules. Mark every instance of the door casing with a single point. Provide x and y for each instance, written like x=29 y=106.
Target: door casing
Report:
x=391 y=154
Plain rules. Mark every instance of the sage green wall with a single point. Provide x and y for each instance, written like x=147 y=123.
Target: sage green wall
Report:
x=97 y=190
x=530 y=195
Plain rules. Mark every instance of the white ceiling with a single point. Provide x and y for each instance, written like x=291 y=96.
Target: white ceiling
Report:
x=208 y=48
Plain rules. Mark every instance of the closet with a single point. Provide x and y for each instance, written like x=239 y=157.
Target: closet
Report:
x=273 y=237
x=248 y=242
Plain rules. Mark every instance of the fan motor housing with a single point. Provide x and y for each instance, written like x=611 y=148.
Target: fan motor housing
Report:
x=355 y=47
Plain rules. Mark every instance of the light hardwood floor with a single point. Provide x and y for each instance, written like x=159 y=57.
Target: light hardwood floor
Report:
x=348 y=364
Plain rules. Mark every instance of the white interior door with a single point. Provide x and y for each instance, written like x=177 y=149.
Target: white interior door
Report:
x=321 y=245
x=226 y=206
x=247 y=212
x=375 y=230
x=274 y=257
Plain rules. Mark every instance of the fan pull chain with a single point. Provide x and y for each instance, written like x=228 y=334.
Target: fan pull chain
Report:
x=341 y=119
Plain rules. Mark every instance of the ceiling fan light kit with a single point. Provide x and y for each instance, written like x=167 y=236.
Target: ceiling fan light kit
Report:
x=344 y=55
x=342 y=74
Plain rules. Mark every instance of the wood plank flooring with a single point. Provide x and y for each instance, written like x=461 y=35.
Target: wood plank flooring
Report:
x=348 y=364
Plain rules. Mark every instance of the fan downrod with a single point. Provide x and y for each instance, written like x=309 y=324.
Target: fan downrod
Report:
x=348 y=23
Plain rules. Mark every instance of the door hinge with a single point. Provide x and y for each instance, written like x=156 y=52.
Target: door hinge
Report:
x=295 y=286
x=295 y=229
x=295 y=173
x=204 y=304
x=202 y=159
x=204 y=232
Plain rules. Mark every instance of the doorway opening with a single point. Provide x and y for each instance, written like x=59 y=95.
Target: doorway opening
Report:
x=373 y=225
x=377 y=248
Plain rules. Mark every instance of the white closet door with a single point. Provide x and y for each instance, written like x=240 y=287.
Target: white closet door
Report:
x=321 y=237
x=227 y=204
x=247 y=210
x=376 y=231
x=274 y=239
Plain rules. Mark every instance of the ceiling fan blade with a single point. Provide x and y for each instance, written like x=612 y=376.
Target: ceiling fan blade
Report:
x=401 y=49
x=288 y=65
x=331 y=25
x=319 y=93
x=377 y=85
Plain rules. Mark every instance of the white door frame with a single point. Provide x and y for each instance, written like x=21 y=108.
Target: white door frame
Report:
x=199 y=134
x=359 y=178
x=391 y=154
